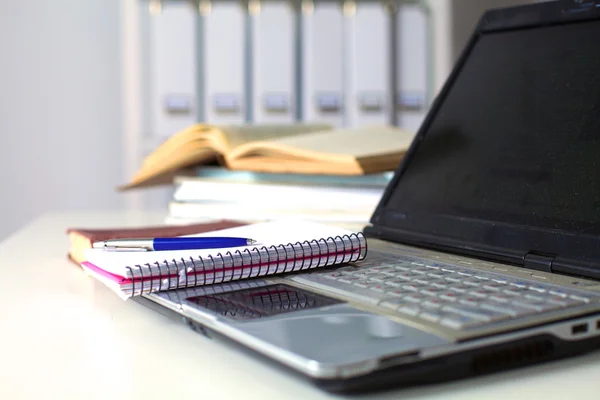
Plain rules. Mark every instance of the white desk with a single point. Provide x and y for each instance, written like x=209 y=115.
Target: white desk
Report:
x=65 y=336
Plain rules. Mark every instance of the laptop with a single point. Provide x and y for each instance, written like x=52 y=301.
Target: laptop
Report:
x=484 y=251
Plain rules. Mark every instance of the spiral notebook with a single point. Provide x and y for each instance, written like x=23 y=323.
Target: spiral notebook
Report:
x=282 y=247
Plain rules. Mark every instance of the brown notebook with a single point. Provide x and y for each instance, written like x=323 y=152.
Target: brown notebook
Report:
x=82 y=238
x=295 y=149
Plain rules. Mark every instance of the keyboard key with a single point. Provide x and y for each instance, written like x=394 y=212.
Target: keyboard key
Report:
x=378 y=288
x=349 y=278
x=363 y=283
x=471 y=282
x=482 y=293
x=475 y=312
x=448 y=296
x=461 y=288
x=392 y=303
x=534 y=296
x=432 y=315
x=432 y=291
x=453 y=278
x=501 y=298
x=469 y=301
x=458 y=321
x=562 y=301
x=538 y=288
x=493 y=286
x=414 y=298
x=452 y=270
x=409 y=309
x=413 y=287
x=439 y=284
x=438 y=274
x=508 y=309
x=519 y=284
x=420 y=271
x=332 y=275
x=423 y=280
x=514 y=291
x=405 y=275
x=395 y=282
x=432 y=303
x=579 y=298
x=538 y=306
x=382 y=268
x=397 y=292
x=556 y=292
x=370 y=273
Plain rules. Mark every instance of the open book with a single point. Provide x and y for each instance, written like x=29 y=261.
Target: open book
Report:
x=282 y=247
x=295 y=148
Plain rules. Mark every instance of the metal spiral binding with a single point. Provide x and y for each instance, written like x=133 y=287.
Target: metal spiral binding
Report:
x=246 y=263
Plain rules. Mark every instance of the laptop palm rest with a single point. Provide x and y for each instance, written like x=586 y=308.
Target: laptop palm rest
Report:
x=317 y=334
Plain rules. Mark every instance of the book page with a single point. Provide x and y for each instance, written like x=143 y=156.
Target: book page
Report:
x=371 y=141
x=239 y=135
x=357 y=142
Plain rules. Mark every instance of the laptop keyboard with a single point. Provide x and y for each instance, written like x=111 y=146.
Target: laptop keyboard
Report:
x=456 y=297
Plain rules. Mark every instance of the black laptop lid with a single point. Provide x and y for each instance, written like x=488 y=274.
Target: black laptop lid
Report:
x=507 y=163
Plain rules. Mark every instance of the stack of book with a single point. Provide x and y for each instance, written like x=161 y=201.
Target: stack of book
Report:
x=266 y=172
x=215 y=192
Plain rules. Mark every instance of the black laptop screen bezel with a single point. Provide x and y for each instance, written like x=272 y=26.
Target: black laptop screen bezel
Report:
x=573 y=252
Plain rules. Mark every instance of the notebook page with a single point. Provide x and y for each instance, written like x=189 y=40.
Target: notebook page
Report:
x=267 y=233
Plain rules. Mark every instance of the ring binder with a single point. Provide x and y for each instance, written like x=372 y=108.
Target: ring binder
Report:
x=242 y=264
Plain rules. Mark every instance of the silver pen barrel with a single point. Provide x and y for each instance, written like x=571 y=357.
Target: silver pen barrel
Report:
x=125 y=244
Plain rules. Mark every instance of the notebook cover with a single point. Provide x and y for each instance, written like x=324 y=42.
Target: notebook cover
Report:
x=154 y=231
x=91 y=235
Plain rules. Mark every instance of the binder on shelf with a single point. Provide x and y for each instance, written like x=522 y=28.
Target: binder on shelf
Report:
x=283 y=247
x=412 y=62
x=273 y=63
x=368 y=84
x=173 y=69
x=223 y=32
x=323 y=64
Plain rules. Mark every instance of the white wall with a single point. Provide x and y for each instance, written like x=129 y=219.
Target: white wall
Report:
x=453 y=24
x=467 y=13
x=60 y=108
x=68 y=69
x=441 y=14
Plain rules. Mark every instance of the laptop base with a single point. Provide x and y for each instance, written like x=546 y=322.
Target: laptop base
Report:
x=473 y=363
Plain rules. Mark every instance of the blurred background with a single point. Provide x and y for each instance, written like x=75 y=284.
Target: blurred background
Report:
x=89 y=88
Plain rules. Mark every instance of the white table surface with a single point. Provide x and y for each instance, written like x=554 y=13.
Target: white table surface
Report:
x=66 y=336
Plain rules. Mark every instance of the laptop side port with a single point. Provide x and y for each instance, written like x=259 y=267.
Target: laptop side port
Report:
x=579 y=329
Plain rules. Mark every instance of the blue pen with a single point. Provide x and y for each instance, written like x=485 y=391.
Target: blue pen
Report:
x=172 y=243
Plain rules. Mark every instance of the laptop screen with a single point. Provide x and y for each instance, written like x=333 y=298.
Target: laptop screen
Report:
x=516 y=139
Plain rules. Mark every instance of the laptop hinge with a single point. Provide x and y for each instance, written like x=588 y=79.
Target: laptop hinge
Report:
x=538 y=262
